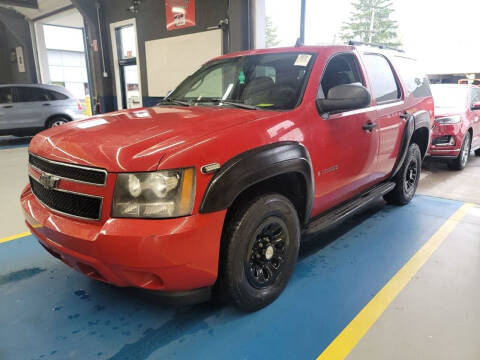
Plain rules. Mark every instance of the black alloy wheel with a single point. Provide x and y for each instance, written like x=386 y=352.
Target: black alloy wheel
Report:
x=267 y=253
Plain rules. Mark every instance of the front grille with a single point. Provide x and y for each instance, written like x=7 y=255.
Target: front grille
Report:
x=82 y=206
x=73 y=172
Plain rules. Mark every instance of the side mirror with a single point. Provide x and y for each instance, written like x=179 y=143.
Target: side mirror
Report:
x=476 y=105
x=344 y=97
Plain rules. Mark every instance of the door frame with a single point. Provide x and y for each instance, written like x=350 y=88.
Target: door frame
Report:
x=116 y=66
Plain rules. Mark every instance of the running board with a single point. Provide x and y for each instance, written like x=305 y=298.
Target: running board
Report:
x=348 y=209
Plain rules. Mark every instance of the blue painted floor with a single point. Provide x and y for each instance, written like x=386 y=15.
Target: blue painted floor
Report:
x=48 y=311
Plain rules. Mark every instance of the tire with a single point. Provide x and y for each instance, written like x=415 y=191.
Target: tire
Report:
x=56 y=121
x=259 y=251
x=407 y=178
x=477 y=152
x=461 y=161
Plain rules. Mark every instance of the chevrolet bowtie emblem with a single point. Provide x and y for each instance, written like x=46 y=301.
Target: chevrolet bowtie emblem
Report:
x=48 y=181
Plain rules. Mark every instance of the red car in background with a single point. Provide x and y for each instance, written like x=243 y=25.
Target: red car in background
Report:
x=456 y=131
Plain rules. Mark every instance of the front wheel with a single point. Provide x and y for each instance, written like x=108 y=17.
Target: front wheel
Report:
x=259 y=251
x=461 y=161
x=407 y=178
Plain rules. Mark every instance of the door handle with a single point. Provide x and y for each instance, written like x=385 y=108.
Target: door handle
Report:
x=405 y=116
x=8 y=106
x=46 y=104
x=369 y=126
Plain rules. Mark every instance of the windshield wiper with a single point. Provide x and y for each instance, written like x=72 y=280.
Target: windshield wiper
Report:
x=231 y=103
x=173 y=101
x=239 y=105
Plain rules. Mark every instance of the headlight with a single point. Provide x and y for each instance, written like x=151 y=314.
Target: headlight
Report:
x=455 y=119
x=161 y=194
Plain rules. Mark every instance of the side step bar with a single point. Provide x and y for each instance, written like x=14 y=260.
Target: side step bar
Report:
x=348 y=209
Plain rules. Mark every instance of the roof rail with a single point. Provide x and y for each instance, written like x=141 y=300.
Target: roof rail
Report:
x=380 y=46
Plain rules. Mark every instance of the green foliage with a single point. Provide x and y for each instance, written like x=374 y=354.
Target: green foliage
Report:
x=360 y=22
x=271 y=39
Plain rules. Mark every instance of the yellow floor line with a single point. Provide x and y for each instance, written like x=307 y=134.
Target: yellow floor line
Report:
x=13 y=237
x=344 y=343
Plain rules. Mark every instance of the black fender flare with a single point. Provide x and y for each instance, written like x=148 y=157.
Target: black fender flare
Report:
x=254 y=166
x=420 y=119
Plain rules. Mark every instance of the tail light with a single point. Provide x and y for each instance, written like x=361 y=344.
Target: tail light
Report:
x=80 y=108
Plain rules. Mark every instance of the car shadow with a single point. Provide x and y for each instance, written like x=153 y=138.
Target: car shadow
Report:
x=7 y=142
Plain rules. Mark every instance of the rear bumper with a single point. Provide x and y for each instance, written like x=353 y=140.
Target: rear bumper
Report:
x=177 y=255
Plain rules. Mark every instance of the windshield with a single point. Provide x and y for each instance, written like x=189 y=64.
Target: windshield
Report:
x=267 y=81
x=449 y=96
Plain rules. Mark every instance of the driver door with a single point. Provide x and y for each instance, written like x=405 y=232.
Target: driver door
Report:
x=344 y=144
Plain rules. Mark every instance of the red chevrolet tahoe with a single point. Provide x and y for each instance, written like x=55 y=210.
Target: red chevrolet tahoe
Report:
x=212 y=188
x=457 y=123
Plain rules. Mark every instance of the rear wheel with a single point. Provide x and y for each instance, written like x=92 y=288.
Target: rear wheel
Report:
x=462 y=158
x=259 y=251
x=57 y=121
x=407 y=178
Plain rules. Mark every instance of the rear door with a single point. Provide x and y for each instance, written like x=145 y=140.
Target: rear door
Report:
x=388 y=95
x=475 y=98
x=6 y=108
x=30 y=105
x=344 y=149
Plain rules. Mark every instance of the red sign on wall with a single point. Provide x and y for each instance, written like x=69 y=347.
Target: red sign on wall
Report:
x=179 y=13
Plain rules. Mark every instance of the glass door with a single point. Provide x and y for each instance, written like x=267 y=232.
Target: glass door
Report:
x=127 y=63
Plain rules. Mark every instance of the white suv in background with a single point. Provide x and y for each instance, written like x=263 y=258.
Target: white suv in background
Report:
x=28 y=109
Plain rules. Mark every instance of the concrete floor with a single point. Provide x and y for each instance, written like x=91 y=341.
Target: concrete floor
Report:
x=438 y=180
x=434 y=317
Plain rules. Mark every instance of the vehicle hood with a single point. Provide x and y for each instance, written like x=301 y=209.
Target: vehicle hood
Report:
x=448 y=111
x=136 y=139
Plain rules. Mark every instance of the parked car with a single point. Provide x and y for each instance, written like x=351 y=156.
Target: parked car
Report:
x=28 y=109
x=213 y=187
x=457 y=123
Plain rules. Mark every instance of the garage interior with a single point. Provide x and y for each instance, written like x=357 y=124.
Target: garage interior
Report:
x=388 y=283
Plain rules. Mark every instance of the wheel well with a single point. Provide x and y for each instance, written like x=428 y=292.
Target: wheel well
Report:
x=51 y=117
x=291 y=185
x=420 y=137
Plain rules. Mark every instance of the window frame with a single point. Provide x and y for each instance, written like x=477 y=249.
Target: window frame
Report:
x=396 y=77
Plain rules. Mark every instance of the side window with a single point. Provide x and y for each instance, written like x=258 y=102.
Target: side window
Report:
x=416 y=81
x=384 y=84
x=341 y=69
x=30 y=94
x=6 y=95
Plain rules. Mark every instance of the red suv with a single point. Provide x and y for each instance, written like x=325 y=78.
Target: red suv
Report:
x=457 y=123
x=213 y=187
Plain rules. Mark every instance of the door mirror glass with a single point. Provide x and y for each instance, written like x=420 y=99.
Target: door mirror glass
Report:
x=344 y=97
x=476 y=105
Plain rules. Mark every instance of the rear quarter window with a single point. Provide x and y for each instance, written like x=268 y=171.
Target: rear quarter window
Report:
x=384 y=84
x=416 y=81
x=55 y=95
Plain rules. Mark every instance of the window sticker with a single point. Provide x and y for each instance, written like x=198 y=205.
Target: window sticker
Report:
x=302 y=60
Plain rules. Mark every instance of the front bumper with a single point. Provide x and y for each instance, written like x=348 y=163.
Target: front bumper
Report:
x=177 y=254
x=446 y=151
